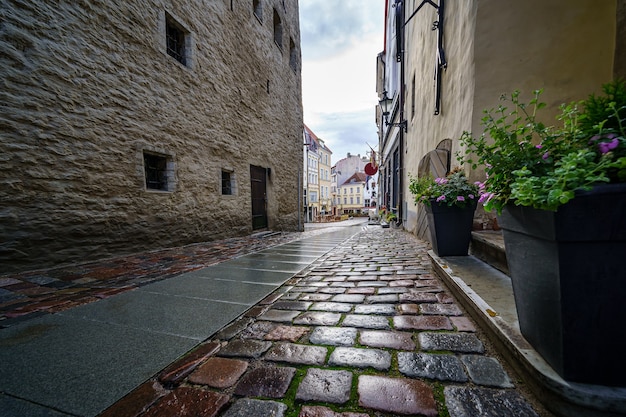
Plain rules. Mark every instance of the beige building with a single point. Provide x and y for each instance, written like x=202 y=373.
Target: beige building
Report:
x=435 y=79
x=138 y=125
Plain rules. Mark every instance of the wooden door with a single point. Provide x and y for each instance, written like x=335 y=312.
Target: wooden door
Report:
x=258 y=184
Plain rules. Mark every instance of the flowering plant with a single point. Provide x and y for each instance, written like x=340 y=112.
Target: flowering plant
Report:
x=530 y=164
x=453 y=190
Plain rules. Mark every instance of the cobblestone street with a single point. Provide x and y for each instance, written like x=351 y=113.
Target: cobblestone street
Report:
x=366 y=330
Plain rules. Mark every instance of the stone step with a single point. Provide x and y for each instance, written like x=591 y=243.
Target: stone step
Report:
x=488 y=246
x=487 y=294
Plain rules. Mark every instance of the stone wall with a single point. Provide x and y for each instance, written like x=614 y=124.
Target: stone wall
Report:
x=88 y=88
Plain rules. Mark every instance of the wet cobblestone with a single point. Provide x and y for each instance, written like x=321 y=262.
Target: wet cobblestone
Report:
x=364 y=331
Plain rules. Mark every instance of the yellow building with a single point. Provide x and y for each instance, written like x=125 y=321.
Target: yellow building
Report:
x=351 y=194
x=317 y=177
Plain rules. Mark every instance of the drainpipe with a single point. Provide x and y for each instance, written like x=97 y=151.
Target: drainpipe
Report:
x=300 y=229
x=401 y=107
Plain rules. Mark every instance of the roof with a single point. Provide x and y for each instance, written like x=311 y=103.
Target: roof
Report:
x=356 y=177
x=317 y=142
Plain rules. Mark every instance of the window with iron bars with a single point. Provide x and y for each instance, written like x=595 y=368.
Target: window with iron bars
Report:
x=227 y=184
x=155 y=168
x=175 y=40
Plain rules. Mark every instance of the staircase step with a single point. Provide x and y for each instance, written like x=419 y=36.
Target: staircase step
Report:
x=488 y=246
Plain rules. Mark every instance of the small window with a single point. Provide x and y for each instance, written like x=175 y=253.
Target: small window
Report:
x=278 y=30
x=176 y=38
x=257 y=8
x=293 y=58
x=227 y=183
x=155 y=168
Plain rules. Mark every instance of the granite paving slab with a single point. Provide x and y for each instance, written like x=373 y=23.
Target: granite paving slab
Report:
x=80 y=366
x=163 y=313
x=226 y=272
x=212 y=289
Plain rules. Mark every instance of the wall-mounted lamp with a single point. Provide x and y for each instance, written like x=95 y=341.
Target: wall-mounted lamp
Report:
x=385 y=105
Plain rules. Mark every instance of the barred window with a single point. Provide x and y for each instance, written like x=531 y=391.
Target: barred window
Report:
x=227 y=185
x=176 y=38
x=155 y=168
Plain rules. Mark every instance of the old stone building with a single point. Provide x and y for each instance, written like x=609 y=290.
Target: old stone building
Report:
x=443 y=63
x=134 y=125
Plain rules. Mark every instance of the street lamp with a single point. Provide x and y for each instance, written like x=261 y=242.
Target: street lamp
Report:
x=385 y=104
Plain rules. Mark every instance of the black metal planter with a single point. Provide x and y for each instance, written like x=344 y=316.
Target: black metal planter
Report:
x=450 y=228
x=568 y=270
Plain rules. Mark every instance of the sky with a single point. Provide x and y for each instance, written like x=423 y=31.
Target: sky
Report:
x=340 y=40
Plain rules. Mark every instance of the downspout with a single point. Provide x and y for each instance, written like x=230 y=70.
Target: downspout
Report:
x=300 y=228
x=400 y=32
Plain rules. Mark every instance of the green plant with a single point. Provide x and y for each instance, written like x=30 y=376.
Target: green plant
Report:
x=530 y=164
x=453 y=190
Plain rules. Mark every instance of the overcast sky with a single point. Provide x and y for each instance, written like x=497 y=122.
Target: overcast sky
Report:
x=340 y=41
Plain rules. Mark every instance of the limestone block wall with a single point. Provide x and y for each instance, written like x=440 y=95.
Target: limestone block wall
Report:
x=88 y=89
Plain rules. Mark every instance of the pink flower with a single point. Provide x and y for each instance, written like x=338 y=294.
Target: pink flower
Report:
x=441 y=180
x=471 y=196
x=441 y=198
x=460 y=198
x=546 y=156
x=538 y=146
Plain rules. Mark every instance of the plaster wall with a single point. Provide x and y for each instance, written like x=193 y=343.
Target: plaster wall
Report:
x=87 y=87
x=564 y=47
x=425 y=130
x=492 y=47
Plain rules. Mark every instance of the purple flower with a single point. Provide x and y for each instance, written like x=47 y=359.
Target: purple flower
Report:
x=608 y=146
x=441 y=198
x=485 y=197
x=471 y=196
x=546 y=156
x=441 y=180
x=594 y=138
x=460 y=198
x=538 y=146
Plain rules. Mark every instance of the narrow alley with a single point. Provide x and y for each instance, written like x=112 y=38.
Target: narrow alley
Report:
x=361 y=328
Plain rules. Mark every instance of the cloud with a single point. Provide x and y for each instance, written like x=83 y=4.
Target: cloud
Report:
x=330 y=27
x=340 y=42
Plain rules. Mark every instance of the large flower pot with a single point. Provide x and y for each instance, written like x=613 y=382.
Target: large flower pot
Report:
x=450 y=228
x=568 y=270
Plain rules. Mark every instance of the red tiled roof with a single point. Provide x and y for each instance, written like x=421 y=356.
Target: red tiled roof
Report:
x=357 y=177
